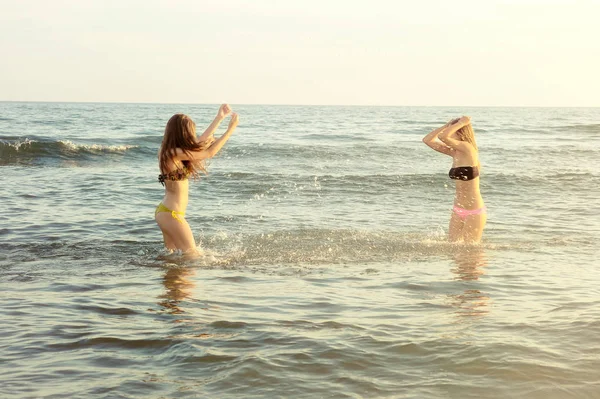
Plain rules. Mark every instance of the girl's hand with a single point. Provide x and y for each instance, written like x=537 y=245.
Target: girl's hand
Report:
x=452 y=122
x=464 y=121
x=224 y=111
x=234 y=121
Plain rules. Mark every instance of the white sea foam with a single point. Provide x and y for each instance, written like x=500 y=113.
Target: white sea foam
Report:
x=96 y=147
x=18 y=145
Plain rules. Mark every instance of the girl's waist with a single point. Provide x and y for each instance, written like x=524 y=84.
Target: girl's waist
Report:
x=469 y=203
x=174 y=203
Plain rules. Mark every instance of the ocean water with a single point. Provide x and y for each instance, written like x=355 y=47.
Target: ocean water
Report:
x=326 y=272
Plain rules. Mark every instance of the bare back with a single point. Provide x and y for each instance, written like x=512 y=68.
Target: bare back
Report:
x=468 y=195
x=176 y=192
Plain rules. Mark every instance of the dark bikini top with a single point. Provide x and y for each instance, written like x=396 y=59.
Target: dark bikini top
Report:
x=174 y=175
x=464 y=173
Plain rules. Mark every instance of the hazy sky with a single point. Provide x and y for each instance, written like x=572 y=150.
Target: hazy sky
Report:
x=383 y=52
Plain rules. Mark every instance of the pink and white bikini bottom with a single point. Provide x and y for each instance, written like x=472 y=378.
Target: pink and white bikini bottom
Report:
x=464 y=213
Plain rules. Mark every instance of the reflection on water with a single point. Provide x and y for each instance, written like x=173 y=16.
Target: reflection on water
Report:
x=178 y=287
x=470 y=263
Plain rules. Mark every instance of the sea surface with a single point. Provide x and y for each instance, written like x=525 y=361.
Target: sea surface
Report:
x=326 y=271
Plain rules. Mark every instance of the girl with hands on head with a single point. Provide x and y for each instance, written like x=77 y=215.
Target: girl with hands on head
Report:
x=469 y=214
x=181 y=155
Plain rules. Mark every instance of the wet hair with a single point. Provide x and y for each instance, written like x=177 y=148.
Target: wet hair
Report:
x=180 y=132
x=467 y=134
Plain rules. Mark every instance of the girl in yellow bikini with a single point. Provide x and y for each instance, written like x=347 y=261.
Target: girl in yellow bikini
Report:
x=182 y=155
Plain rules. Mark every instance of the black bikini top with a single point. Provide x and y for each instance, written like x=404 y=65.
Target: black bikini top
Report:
x=464 y=173
x=174 y=175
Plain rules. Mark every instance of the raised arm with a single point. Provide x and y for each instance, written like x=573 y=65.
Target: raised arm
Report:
x=214 y=148
x=446 y=136
x=432 y=140
x=224 y=111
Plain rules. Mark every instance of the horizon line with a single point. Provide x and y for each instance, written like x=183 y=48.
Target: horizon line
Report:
x=295 y=104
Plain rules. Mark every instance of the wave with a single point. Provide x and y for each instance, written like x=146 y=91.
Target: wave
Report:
x=36 y=151
x=563 y=150
x=583 y=128
x=553 y=181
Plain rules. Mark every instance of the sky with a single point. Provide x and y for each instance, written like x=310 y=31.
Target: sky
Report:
x=352 y=52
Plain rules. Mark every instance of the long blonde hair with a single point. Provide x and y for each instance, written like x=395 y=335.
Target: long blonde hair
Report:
x=467 y=134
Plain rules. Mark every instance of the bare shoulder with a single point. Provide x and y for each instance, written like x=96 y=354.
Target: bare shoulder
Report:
x=190 y=155
x=179 y=154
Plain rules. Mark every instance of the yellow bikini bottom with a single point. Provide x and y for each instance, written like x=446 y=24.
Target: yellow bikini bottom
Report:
x=162 y=208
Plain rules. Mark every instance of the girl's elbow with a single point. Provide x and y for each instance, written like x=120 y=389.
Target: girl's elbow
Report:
x=429 y=143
